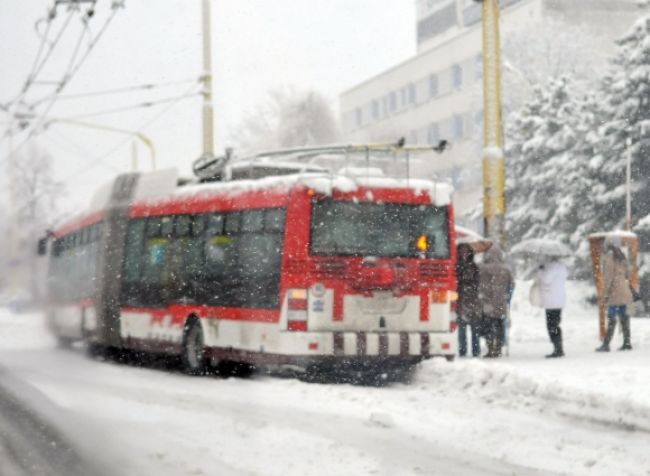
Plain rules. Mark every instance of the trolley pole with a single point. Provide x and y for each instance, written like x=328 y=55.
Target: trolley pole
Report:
x=493 y=156
x=206 y=79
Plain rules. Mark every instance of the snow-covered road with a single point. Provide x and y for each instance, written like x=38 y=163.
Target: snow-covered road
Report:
x=586 y=414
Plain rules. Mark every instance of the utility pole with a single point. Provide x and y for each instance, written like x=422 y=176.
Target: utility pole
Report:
x=493 y=156
x=206 y=79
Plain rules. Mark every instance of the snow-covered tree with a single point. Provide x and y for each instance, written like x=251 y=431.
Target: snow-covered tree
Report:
x=626 y=120
x=289 y=118
x=543 y=134
x=34 y=197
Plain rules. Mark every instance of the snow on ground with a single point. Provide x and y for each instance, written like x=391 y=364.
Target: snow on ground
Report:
x=585 y=414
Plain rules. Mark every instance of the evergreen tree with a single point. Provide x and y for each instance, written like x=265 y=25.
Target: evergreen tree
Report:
x=626 y=114
x=540 y=144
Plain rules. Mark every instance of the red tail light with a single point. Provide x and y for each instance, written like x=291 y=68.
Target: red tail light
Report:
x=297 y=326
x=297 y=304
x=453 y=325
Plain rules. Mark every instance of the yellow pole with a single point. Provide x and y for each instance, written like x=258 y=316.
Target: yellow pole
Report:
x=134 y=156
x=493 y=157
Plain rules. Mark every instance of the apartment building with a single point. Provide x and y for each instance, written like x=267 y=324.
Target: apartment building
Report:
x=437 y=94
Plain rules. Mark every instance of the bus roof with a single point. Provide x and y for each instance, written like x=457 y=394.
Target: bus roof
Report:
x=322 y=183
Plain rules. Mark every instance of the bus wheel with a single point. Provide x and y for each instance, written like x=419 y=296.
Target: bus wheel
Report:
x=193 y=351
x=450 y=358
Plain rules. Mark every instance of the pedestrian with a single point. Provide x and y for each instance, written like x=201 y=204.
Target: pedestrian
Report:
x=617 y=293
x=551 y=283
x=495 y=282
x=468 y=308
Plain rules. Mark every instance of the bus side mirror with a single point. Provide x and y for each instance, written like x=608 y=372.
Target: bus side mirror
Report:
x=42 y=246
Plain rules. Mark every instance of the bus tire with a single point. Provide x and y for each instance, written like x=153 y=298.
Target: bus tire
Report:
x=193 y=356
x=450 y=358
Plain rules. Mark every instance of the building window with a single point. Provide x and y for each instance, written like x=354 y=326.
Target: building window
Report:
x=433 y=85
x=478 y=65
x=438 y=22
x=433 y=134
x=478 y=117
x=411 y=93
x=403 y=97
x=358 y=115
x=457 y=76
x=375 y=109
x=392 y=101
x=459 y=127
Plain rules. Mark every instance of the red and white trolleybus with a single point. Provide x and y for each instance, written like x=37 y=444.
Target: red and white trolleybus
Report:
x=299 y=267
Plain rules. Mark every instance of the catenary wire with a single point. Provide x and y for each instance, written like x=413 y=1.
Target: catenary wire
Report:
x=132 y=107
x=72 y=70
x=106 y=92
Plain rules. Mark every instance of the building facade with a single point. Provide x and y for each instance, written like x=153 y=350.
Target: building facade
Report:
x=437 y=94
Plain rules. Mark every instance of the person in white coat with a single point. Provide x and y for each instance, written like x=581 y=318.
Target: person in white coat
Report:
x=551 y=281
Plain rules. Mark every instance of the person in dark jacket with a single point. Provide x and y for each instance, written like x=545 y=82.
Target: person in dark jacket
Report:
x=468 y=306
x=618 y=294
x=495 y=283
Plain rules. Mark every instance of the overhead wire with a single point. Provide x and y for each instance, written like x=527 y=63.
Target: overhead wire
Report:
x=71 y=147
x=122 y=143
x=67 y=76
x=100 y=160
x=132 y=107
x=125 y=89
x=52 y=46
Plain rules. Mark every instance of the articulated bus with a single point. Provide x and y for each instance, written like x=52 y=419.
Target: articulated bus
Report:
x=308 y=270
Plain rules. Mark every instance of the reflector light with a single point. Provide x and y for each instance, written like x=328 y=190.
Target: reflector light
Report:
x=297 y=326
x=422 y=244
x=453 y=325
x=445 y=346
x=297 y=304
x=313 y=346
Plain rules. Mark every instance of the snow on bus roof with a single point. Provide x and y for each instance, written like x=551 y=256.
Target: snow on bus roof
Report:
x=325 y=184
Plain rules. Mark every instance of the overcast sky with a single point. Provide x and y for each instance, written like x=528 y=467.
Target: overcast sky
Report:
x=258 y=45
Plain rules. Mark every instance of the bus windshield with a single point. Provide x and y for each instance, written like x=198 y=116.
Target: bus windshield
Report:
x=344 y=228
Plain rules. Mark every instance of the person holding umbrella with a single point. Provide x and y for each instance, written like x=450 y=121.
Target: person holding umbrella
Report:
x=551 y=280
x=550 y=283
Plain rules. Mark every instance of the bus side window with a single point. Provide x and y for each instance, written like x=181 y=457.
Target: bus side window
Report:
x=220 y=254
x=233 y=220
x=259 y=252
x=133 y=251
x=154 y=252
x=193 y=251
x=274 y=219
